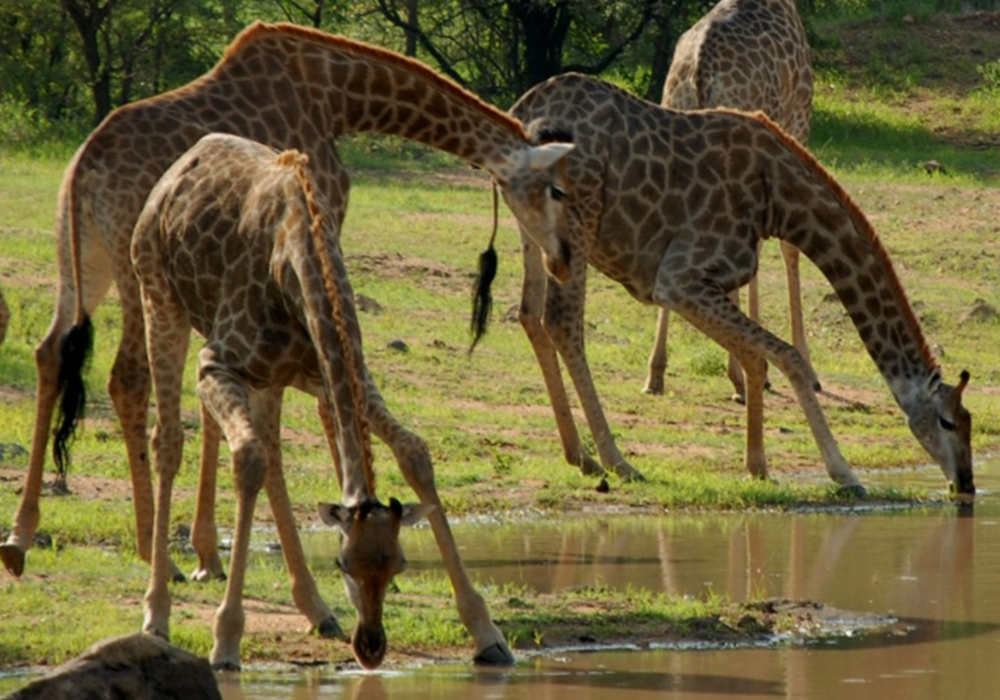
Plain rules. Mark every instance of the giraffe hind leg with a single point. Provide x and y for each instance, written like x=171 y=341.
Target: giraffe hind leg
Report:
x=47 y=365
x=657 y=365
x=204 y=535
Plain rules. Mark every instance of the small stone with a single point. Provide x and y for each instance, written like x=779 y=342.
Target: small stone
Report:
x=979 y=312
x=398 y=345
x=367 y=304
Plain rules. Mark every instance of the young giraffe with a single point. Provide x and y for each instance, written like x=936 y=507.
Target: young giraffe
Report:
x=746 y=55
x=673 y=206
x=279 y=314
x=281 y=85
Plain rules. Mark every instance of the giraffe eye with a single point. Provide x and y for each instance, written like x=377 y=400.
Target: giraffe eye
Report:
x=946 y=424
x=557 y=193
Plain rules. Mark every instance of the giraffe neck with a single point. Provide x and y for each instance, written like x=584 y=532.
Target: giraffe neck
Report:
x=322 y=86
x=836 y=236
x=358 y=477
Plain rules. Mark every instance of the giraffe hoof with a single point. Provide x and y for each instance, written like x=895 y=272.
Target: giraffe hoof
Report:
x=654 y=388
x=206 y=575
x=175 y=574
x=590 y=467
x=13 y=558
x=330 y=629
x=626 y=472
x=817 y=387
x=494 y=655
x=739 y=398
x=226 y=666
x=852 y=491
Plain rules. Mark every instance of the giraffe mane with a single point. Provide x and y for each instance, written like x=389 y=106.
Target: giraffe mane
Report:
x=861 y=223
x=299 y=162
x=258 y=30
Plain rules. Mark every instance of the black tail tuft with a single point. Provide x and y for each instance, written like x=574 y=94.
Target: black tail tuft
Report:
x=74 y=355
x=482 y=300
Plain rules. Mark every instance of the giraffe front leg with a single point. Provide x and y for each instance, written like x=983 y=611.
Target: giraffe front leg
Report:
x=240 y=416
x=563 y=324
x=168 y=333
x=530 y=316
x=703 y=302
x=305 y=594
x=658 y=356
x=414 y=462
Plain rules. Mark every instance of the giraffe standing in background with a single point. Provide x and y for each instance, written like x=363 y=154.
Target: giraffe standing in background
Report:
x=673 y=205
x=287 y=87
x=747 y=55
x=236 y=242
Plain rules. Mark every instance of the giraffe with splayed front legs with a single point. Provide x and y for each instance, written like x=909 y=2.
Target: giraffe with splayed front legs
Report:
x=673 y=205
x=236 y=242
x=281 y=85
x=747 y=55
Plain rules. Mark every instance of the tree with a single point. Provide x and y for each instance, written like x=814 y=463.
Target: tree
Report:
x=36 y=62
x=500 y=48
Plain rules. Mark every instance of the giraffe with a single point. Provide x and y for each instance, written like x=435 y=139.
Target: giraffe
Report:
x=746 y=55
x=281 y=85
x=673 y=205
x=279 y=314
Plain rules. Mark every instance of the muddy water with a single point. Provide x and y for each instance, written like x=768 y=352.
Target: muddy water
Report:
x=937 y=567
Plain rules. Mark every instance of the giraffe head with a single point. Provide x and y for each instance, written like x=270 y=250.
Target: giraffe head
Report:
x=533 y=183
x=370 y=556
x=943 y=426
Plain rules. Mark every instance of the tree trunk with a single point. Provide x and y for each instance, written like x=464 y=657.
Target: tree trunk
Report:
x=544 y=27
x=89 y=17
x=411 y=34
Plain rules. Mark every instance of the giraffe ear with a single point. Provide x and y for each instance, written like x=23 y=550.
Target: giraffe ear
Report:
x=335 y=515
x=547 y=155
x=412 y=513
x=933 y=382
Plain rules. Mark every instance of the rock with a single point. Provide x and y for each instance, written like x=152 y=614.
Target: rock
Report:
x=367 y=304
x=136 y=667
x=398 y=345
x=9 y=451
x=979 y=312
x=933 y=166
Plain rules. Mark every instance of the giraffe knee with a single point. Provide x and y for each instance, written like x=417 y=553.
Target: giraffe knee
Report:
x=249 y=466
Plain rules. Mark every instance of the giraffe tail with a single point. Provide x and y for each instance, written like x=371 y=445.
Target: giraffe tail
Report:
x=74 y=355
x=482 y=298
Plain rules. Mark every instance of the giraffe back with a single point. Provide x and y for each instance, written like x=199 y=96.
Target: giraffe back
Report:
x=747 y=55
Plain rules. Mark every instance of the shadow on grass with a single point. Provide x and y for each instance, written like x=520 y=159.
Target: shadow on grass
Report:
x=853 y=140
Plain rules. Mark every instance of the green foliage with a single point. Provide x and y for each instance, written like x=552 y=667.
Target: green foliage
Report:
x=990 y=73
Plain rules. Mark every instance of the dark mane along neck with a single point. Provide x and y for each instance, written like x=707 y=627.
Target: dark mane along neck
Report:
x=842 y=273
